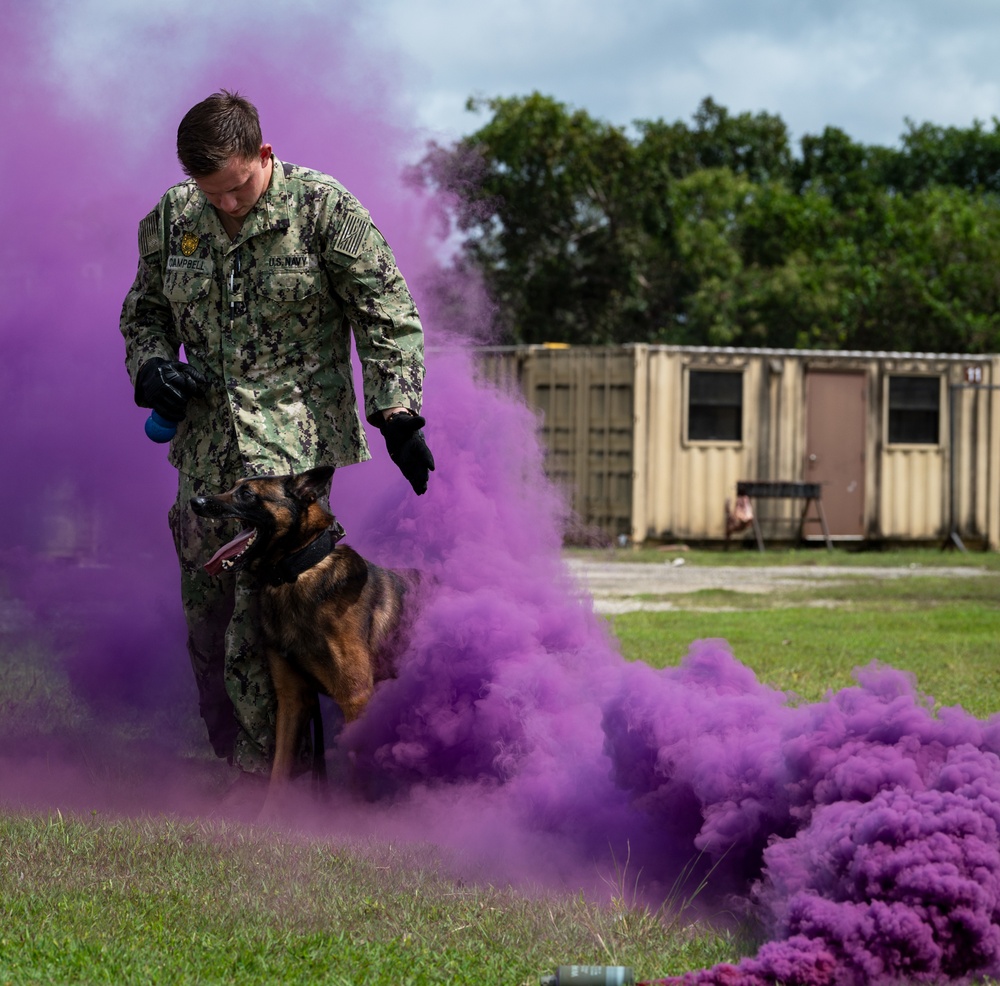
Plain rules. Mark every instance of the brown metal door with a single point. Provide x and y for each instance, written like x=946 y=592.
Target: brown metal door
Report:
x=836 y=412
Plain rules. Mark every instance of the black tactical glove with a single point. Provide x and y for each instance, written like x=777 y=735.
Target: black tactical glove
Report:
x=407 y=448
x=167 y=385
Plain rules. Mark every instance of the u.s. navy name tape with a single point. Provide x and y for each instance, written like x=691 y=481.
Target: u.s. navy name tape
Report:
x=294 y=261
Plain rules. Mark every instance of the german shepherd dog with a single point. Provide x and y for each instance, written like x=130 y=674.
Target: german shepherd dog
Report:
x=330 y=619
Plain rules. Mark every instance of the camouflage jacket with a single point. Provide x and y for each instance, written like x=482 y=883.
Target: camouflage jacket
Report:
x=267 y=318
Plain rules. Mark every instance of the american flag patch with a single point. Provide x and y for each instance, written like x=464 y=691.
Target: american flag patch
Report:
x=353 y=232
x=149 y=235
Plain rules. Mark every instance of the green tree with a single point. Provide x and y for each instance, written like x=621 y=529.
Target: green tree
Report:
x=542 y=201
x=847 y=172
x=951 y=156
x=754 y=145
x=714 y=233
x=930 y=282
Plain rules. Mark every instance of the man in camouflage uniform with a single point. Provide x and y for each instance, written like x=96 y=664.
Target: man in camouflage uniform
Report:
x=260 y=269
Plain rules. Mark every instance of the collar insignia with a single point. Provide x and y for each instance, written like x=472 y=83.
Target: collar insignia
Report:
x=189 y=243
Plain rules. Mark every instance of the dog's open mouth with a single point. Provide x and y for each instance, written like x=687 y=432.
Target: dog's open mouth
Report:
x=228 y=556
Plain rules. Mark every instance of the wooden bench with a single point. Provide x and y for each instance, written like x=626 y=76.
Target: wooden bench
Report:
x=809 y=492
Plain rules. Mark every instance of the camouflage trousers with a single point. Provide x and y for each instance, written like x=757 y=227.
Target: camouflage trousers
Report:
x=235 y=694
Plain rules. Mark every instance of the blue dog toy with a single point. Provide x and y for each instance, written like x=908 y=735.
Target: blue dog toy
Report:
x=159 y=429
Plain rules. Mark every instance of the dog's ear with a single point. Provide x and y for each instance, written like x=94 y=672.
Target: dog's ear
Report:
x=311 y=485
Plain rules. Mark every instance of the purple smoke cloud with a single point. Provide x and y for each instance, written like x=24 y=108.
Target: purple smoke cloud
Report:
x=861 y=832
x=871 y=822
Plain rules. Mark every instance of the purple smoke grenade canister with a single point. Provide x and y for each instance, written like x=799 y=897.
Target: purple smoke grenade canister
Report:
x=590 y=975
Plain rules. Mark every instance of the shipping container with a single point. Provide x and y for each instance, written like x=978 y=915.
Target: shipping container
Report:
x=650 y=443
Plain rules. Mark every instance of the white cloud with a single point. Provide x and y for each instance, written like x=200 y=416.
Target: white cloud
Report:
x=862 y=65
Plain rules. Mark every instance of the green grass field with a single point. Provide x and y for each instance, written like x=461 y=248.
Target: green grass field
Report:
x=95 y=898
x=944 y=631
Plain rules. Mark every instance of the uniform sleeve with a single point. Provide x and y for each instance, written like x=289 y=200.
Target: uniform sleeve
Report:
x=387 y=329
x=146 y=321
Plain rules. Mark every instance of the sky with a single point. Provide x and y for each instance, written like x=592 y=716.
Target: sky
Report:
x=866 y=66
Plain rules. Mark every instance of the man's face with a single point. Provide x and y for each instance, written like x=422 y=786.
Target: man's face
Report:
x=235 y=189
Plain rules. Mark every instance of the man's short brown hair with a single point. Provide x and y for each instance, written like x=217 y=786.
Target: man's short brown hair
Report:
x=216 y=130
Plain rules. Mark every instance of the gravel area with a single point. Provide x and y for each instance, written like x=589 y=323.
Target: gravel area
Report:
x=613 y=584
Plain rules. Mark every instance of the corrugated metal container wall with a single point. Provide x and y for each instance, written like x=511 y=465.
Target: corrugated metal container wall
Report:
x=906 y=486
x=913 y=484
x=987 y=512
x=502 y=366
x=586 y=401
x=939 y=486
x=685 y=482
x=973 y=404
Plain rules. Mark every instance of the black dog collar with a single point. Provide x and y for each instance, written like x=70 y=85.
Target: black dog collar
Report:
x=289 y=569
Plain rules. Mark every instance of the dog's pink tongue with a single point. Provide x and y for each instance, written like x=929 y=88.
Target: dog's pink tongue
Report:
x=235 y=547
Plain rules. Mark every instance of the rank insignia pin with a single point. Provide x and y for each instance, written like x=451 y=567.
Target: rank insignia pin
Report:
x=189 y=243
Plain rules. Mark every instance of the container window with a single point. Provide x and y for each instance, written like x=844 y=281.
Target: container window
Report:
x=715 y=406
x=914 y=410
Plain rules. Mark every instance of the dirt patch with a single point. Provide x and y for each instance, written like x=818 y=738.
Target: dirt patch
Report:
x=614 y=585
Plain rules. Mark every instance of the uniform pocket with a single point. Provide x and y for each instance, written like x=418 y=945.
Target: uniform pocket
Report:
x=183 y=288
x=287 y=286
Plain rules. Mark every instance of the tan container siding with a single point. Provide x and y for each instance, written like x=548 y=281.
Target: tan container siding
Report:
x=687 y=482
x=914 y=479
x=677 y=495
x=908 y=491
x=973 y=440
x=926 y=491
x=988 y=512
x=586 y=401
x=614 y=422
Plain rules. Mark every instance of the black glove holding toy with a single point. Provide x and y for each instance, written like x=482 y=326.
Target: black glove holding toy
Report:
x=167 y=385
